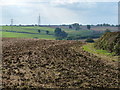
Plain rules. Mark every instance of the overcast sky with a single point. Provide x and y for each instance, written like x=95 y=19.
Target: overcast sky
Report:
x=59 y=11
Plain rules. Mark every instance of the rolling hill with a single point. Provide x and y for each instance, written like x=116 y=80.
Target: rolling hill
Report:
x=32 y=32
x=110 y=42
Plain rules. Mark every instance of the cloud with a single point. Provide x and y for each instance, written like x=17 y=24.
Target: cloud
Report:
x=49 y=14
x=27 y=12
x=56 y=2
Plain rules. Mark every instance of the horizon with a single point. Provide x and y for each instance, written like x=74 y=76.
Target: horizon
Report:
x=55 y=24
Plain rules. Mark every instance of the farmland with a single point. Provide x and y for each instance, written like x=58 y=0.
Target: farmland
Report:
x=33 y=59
x=54 y=64
x=32 y=32
x=61 y=44
x=27 y=32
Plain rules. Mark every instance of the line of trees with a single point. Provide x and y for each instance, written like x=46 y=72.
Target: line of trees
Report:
x=47 y=32
x=89 y=27
x=60 y=34
x=75 y=26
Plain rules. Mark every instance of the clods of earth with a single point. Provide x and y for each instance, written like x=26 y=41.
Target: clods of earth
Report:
x=54 y=64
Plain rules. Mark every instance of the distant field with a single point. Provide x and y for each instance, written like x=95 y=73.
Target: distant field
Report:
x=103 y=28
x=21 y=35
x=32 y=31
x=27 y=32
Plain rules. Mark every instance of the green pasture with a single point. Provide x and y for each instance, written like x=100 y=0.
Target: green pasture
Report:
x=23 y=35
x=32 y=32
x=81 y=32
x=33 y=29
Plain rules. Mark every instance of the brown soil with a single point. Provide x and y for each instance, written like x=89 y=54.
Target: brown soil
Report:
x=54 y=64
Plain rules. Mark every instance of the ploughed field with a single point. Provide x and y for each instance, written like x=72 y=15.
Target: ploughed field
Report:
x=54 y=64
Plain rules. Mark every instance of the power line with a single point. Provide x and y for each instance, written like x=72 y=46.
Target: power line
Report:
x=11 y=22
x=39 y=20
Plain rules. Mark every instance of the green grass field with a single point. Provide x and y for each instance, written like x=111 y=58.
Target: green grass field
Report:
x=21 y=35
x=99 y=52
x=32 y=32
x=29 y=32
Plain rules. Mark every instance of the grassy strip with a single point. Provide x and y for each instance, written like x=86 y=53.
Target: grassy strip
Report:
x=24 y=35
x=99 y=52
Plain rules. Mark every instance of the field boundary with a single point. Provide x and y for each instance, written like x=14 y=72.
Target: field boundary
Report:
x=89 y=47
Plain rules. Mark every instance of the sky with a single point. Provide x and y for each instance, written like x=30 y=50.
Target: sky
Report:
x=56 y=12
